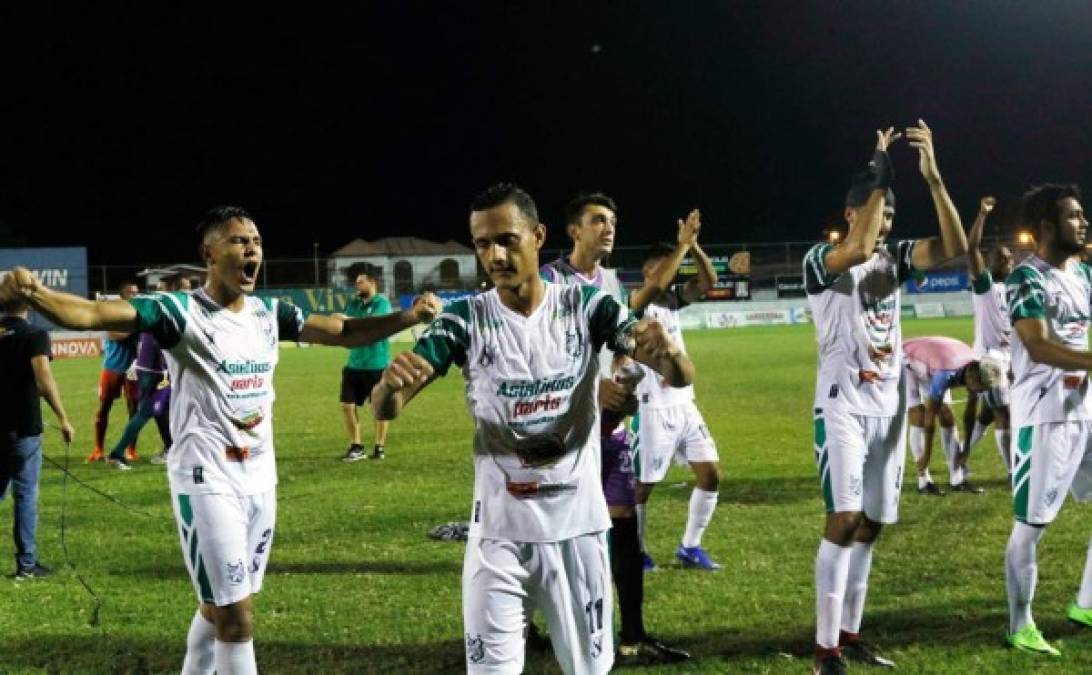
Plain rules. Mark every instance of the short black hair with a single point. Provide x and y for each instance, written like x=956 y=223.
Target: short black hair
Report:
x=218 y=216
x=860 y=188
x=660 y=249
x=127 y=282
x=576 y=207
x=356 y=269
x=504 y=193
x=1041 y=203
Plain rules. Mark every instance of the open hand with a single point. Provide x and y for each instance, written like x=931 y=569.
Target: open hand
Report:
x=886 y=138
x=921 y=137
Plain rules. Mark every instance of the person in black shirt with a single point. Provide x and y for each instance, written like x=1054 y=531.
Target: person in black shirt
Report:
x=25 y=372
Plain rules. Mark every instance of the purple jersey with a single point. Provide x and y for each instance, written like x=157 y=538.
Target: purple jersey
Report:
x=149 y=356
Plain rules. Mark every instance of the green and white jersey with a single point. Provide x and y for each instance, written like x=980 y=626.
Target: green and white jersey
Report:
x=856 y=315
x=1061 y=298
x=532 y=390
x=221 y=367
x=992 y=328
x=652 y=391
x=561 y=271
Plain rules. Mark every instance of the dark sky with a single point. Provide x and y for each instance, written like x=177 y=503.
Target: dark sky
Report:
x=120 y=127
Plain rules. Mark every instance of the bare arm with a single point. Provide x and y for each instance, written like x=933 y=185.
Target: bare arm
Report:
x=337 y=331
x=47 y=386
x=1041 y=349
x=952 y=242
x=661 y=278
x=704 y=280
x=403 y=379
x=657 y=351
x=975 y=262
x=65 y=309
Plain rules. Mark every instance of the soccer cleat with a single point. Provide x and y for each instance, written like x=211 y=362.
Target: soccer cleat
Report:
x=1029 y=639
x=378 y=453
x=354 y=453
x=931 y=489
x=1079 y=614
x=830 y=665
x=695 y=556
x=647 y=563
x=968 y=487
x=119 y=462
x=95 y=456
x=35 y=571
x=861 y=652
x=648 y=651
x=131 y=454
x=159 y=458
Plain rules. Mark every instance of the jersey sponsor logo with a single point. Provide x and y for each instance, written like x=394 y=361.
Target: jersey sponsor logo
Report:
x=533 y=489
x=243 y=367
x=545 y=404
x=248 y=421
x=525 y=388
x=536 y=451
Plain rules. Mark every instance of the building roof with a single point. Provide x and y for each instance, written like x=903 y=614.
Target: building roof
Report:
x=400 y=246
x=168 y=270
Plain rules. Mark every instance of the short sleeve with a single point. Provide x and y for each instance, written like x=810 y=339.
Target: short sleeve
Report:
x=447 y=338
x=816 y=278
x=289 y=321
x=609 y=322
x=163 y=315
x=902 y=251
x=382 y=305
x=1026 y=298
x=39 y=344
x=982 y=283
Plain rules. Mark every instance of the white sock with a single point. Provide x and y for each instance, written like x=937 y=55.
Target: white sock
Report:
x=860 y=564
x=1004 y=439
x=978 y=433
x=642 y=520
x=949 y=438
x=831 y=573
x=235 y=658
x=702 y=505
x=924 y=479
x=199 y=642
x=1084 y=595
x=1021 y=573
x=917 y=442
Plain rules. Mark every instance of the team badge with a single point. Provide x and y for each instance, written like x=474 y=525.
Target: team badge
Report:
x=488 y=356
x=235 y=572
x=1050 y=496
x=475 y=648
x=855 y=486
x=574 y=346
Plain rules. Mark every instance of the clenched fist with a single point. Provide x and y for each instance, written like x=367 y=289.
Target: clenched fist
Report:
x=427 y=307
x=406 y=369
x=17 y=284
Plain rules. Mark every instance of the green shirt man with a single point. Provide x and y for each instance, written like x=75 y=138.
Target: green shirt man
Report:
x=377 y=355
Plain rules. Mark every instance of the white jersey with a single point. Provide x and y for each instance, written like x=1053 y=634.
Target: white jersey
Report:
x=992 y=327
x=532 y=389
x=652 y=391
x=560 y=271
x=221 y=367
x=1061 y=298
x=856 y=315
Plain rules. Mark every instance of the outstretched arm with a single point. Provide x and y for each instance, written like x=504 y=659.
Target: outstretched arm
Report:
x=952 y=242
x=975 y=263
x=861 y=240
x=665 y=272
x=337 y=331
x=407 y=375
x=655 y=349
x=65 y=309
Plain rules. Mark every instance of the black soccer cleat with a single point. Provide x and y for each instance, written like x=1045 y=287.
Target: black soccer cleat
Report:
x=968 y=487
x=648 y=651
x=931 y=489
x=830 y=665
x=861 y=652
x=354 y=453
x=378 y=453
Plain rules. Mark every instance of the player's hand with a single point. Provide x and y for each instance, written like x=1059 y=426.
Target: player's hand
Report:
x=921 y=137
x=986 y=205
x=68 y=432
x=652 y=339
x=406 y=369
x=612 y=395
x=689 y=228
x=17 y=284
x=427 y=307
x=885 y=138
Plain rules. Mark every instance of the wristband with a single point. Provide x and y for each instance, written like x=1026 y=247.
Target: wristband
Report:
x=882 y=170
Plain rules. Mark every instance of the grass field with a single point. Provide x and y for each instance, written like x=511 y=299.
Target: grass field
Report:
x=354 y=586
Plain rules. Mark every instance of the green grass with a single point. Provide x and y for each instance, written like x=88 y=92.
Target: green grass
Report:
x=355 y=587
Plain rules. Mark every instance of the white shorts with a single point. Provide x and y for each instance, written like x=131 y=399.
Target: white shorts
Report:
x=225 y=541
x=917 y=391
x=569 y=581
x=1050 y=459
x=860 y=462
x=677 y=432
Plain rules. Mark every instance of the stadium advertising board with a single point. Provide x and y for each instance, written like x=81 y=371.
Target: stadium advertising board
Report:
x=949 y=281
x=330 y=300
x=733 y=276
x=790 y=285
x=61 y=268
x=66 y=345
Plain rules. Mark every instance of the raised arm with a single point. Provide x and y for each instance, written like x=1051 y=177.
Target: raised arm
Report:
x=1033 y=333
x=705 y=279
x=47 y=387
x=952 y=242
x=859 y=244
x=65 y=309
x=976 y=264
x=655 y=349
x=337 y=331
x=665 y=272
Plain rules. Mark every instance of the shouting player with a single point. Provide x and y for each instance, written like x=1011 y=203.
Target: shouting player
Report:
x=222 y=353
x=529 y=352
x=853 y=290
x=1050 y=301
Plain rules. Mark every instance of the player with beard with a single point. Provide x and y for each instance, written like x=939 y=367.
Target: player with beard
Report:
x=222 y=351
x=591 y=221
x=1050 y=301
x=860 y=404
x=530 y=355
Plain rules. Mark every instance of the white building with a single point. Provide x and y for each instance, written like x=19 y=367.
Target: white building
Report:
x=409 y=264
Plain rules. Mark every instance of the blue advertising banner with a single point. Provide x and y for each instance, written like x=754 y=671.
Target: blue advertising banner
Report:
x=61 y=268
x=948 y=281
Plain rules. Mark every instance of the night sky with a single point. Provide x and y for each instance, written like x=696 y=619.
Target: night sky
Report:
x=121 y=127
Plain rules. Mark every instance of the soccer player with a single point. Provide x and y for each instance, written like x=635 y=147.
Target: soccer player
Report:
x=853 y=290
x=668 y=423
x=366 y=363
x=992 y=331
x=1050 y=301
x=118 y=354
x=529 y=352
x=933 y=366
x=591 y=221
x=222 y=353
